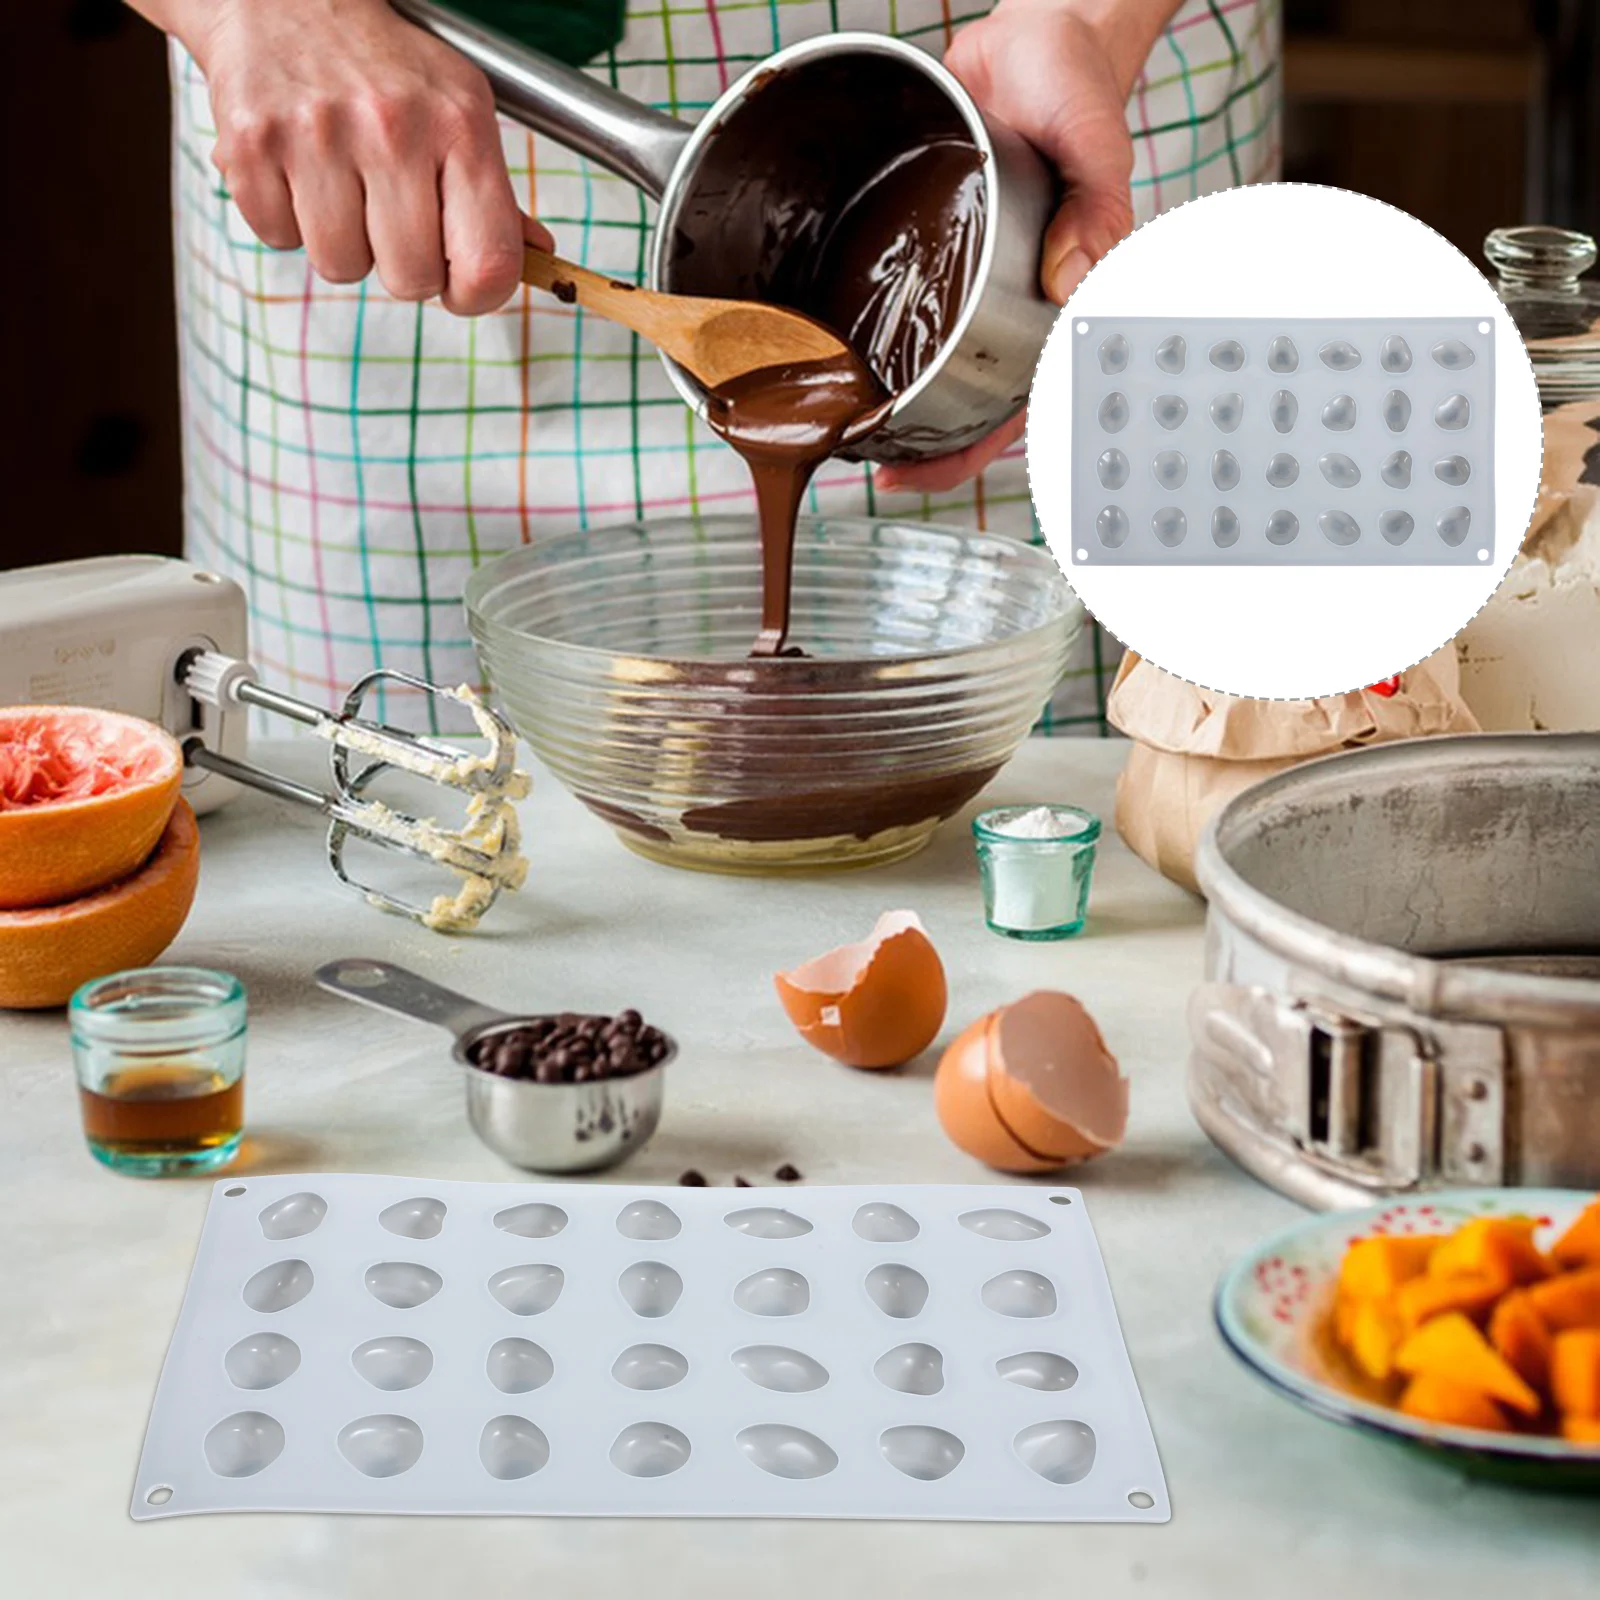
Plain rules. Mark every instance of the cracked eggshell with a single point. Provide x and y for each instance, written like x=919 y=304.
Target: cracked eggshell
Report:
x=873 y=1004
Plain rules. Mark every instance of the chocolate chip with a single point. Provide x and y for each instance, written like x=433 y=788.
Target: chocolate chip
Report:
x=787 y=1173
x=629 y=1020
x=742 y=1183
x=692 y=1179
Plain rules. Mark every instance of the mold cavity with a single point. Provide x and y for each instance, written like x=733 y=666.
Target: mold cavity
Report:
x=1019 y=1293
x=402 y=1284
x=1114 y=412
x=512 y=1447
x=1452 y=355
x=921 y=1452
x=1169 y=410
x=1226 y=411
x=1284 y=411
x=241 y=1445
x=911 y=1368
x=767 y=1222
x=1339 y=470
x=649 y=1366
x=276 y=1288
x=773 y=1292
x=1172 y=353
x=776 y=1366
x=897 y=1291
x=648 y=1219
x=421 y=1218
x=1282 y=355
x=261 y=1361
x=1170 y=469
x=1394 y=354
x=1282 y=527
x=1339 y=355
x=1340 y=413
x=1454 y=470
x=1282 y=470
x=1396 y=469
x=1225 y=470
x=1339 y=527
x=1113 y=354
x=532 y=1221
x=787 y=1452
x=392 y=1362
x=649 y=1450
x=1224 y=527
x=1453 y=413
x=528 y=1289
x=997 y=1223
x=1397 y=411
x=1038 y=1369
x=517 y=1365
x=1169 y=525
x=292 y=1216
x=381 y=1447
x=651 y=1288
x=1112 y=468
x=1453 y=524
x=1062 y=1451
x=879 y=1222
x=1112 y=526
x=1396 y=526
x=1227 y=355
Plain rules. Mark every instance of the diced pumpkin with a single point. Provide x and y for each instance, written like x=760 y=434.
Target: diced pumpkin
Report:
x=1375 y=1335
x=1421 y=1299
x=1451 y=1347
x=1569 y=1300
x=1518 y=1332
x=1580 y=1430
x=1575 y=1373
x=1374 y=1268
x=1436 y=1399
x=1501 y=1248
x=1345 y=1308
x=1579 y=1246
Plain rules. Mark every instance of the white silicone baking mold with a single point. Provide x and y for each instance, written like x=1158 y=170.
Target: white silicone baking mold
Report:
x=1292 y=441
x=375 y=1344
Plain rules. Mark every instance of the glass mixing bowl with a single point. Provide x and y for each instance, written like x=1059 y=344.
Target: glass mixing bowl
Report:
x=620 y=655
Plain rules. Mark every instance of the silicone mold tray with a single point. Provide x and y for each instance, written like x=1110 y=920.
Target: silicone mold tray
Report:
x=374 y=1344
x=1307 y=442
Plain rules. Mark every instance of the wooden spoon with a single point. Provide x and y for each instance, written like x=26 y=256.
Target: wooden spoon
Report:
x=716 y=340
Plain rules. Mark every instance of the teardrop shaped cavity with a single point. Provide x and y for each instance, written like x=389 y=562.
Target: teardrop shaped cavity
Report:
x=1282 y=355
x=1453 y=355
x=421 y=1218
x=1454 y=470
x=1394 y=354
x=896 y=1290
x=1169 y=525
x=1226 y=411
x=1112 y=468
x=382 y=1446
x=392 y=1362
x=1339 y=414
x=1060 y=1451
x=1282 y=527
x=787 y=1452
x=881 y=1222
x=1453 y=413
x=651 y=1288
x=293 y=1216
x=1396 y=526
x=1284 y=411
x=535 y=1220
x=1227 y=355
x=1114 y=412
x=1020 y=1293
x=1339 y=470
x=773 y=1292
x=649 y=1450
x=528 y=1289
x=1170 y=468
x=776 y=1366
x=648 y=1219
x=276 y=1288
x=402 y=1284
x=1225 y=470
x=1172 y=353
x=995 y=1222
x=1282 y=470
x=1396 y=469
x=1113 y=353
x=1169 y=410
x=1454 y=524
x=1038 y=1369
x=1339 y=355
x=767 y=1222
x=517 y=1365
x=911 y=1368
x=649 y=1366
x=920 y=1451
x=1224 y=527
x=1112 y=526
x=1397 y=411
x=512 y=1447
x=241 y=1445
x=261 y=1361
x=1339 y=527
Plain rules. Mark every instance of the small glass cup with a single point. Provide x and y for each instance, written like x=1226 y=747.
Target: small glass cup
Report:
x=1036 y=888
x=159 y=1054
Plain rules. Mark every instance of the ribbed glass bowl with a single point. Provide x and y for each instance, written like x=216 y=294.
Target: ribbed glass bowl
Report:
x=621 y=656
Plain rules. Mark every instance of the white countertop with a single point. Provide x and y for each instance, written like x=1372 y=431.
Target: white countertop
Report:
x=1266 y=1501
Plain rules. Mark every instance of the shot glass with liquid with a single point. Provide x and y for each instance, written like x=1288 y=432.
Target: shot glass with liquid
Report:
x=159 y=1055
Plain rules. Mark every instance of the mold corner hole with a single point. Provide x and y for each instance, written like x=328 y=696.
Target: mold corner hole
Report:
x=1141 y=1500
x=232 y=1194
x=1083 y=327
x=1485 y=327
x=1061 y=1199
x=159 y=1495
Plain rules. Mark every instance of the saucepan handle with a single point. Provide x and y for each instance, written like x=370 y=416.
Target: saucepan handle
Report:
x=632 y=140
x=390 y=988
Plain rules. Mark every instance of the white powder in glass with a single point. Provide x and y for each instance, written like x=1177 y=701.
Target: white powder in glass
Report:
x=1039 y=823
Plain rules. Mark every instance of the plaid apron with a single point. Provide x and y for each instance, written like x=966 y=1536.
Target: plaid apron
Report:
x=349 y=459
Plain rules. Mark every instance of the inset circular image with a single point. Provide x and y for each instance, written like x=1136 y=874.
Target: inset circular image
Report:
x=1284 y=441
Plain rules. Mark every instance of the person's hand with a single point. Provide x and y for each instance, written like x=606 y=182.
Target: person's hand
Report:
x=345 y=129
x=1059 y=72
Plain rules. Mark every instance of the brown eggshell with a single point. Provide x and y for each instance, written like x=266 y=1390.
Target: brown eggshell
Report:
x=873 y=1004
x=967 y=1114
